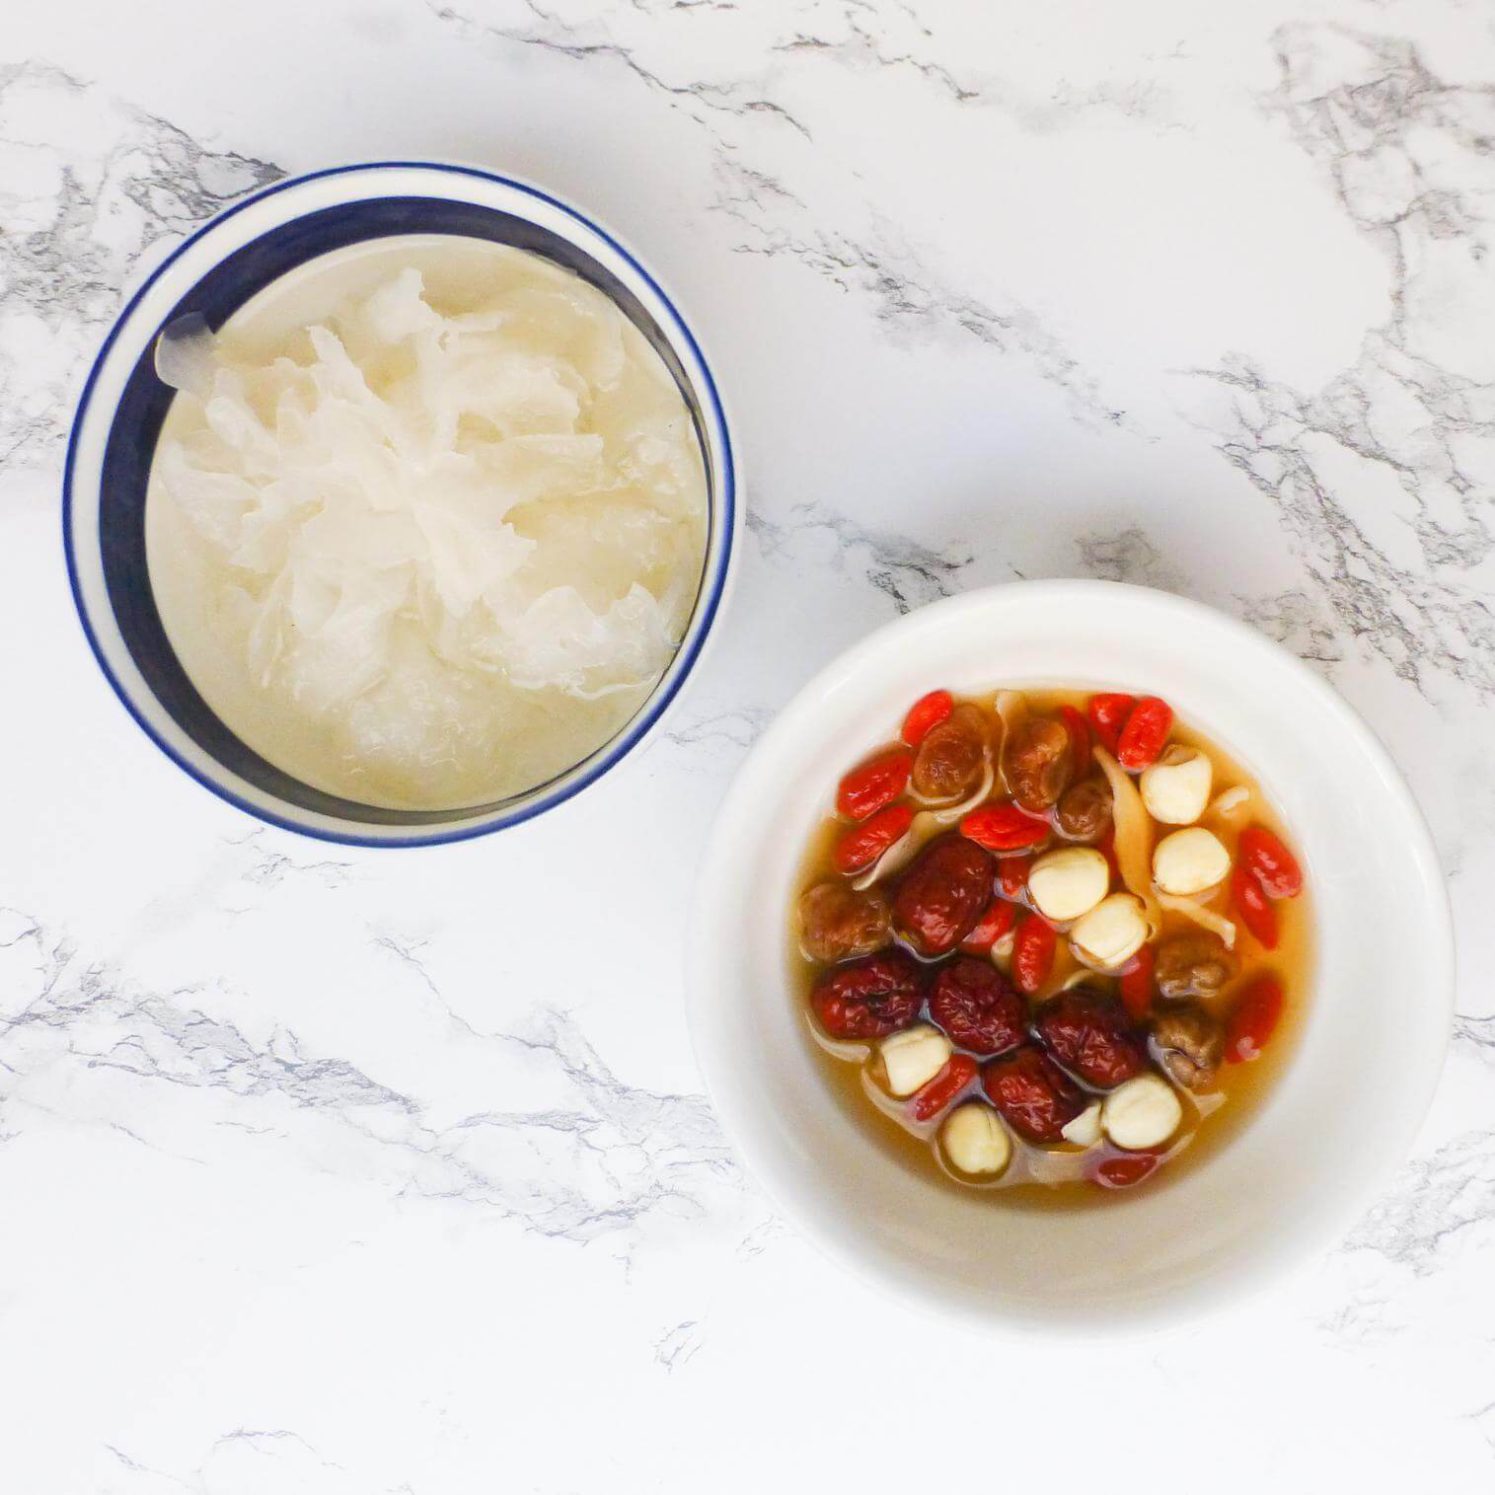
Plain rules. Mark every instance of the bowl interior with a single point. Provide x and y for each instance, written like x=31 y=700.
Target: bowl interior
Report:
x=230 y=261
x=1344 y=1110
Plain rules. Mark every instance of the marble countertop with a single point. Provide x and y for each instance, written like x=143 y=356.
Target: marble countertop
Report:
x=326 y=1172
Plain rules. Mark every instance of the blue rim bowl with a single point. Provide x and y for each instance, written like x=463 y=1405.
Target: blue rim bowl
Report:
x=214 y=272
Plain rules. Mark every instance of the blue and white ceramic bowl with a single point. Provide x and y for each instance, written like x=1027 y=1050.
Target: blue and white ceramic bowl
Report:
x=213 y=273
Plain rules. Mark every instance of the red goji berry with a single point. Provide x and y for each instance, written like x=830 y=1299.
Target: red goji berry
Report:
x=925 y=715
x=1253 y=1020
x=990 y=927
x=1250 y=901
x=1145 y=734
x=1012 y=877
x=944 y=1087
x=1107 y=848
x=1136 y=984
x=1108 y=714
x=1276 y=868
x=863 y=844
x=1123 y=1172
x=1033 y=954
x=1079 y=739
x=1003 y=828
x=877 y=782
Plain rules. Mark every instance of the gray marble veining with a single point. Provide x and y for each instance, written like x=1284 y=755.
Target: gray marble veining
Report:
x=336 y=1173
x=1412 y=420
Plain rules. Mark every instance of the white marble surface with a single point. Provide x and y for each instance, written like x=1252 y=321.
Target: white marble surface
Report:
x=337 y=1172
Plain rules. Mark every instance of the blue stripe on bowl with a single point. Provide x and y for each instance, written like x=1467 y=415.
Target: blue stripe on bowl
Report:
x=142 y=408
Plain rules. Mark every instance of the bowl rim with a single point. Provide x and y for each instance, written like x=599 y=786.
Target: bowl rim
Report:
x=715 y=584
x=841 y=1246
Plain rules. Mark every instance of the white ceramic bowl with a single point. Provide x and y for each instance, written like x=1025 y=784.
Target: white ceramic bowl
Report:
x=1339 y=1119
x=215 y=271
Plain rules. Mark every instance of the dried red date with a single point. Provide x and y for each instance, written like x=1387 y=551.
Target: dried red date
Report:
x=942 y=895
x=1090 y=1034
x=1033 y=1095
x=870 y=998
x=951 y=760
x=1038 y=762
x=837 y=922
x=977 y=1006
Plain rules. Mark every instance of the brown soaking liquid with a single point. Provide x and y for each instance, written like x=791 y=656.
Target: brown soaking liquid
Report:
x=1054 y=1176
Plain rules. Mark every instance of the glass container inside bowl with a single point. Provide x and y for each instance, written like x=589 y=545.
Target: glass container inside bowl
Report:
x=426 y=520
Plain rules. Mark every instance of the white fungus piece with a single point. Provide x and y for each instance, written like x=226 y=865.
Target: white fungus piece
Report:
x=1204 y=917
x=437 y=543
x=1189 y=861
x=1176 y=789
x=1067 y=883
x=1085 y=1129
x=1141 y=1112
x=912 y=1058
x=975 y=1141
x=1111 y=933
x=1230 y=802
x=184 y=354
